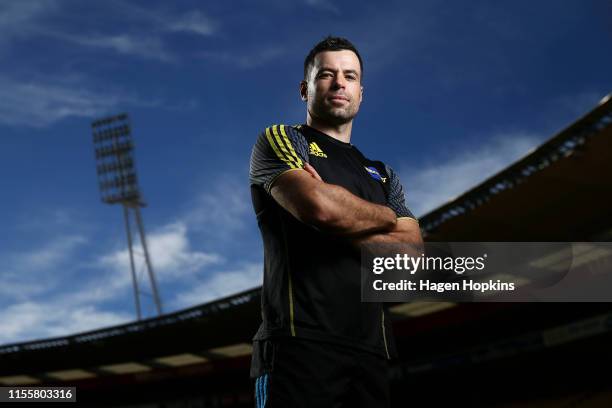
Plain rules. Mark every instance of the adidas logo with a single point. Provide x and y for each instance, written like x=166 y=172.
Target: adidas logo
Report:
x=315 y=150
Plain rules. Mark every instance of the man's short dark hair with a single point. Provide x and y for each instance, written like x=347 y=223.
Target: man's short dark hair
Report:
x=330 y=44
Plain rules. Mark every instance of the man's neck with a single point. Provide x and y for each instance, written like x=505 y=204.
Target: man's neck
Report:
x=338 y=132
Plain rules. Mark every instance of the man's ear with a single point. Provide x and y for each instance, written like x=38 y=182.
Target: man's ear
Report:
x=361 y=95
x=304 y=90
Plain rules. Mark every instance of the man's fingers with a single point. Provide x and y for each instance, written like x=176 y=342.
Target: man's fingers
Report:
x=312 y=171
x=309 y=168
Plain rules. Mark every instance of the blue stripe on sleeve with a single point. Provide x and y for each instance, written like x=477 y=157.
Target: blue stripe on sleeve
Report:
x=257 y=392
x=265 y=391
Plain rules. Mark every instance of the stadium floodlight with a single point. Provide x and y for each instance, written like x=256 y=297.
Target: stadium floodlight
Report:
x=118 y=183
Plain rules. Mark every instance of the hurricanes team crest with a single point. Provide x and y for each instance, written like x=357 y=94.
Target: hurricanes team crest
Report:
x=315 y=150
x=375 y=174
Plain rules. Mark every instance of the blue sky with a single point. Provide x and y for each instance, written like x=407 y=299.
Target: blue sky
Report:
x=454 y=91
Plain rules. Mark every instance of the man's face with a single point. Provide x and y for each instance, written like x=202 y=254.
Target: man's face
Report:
x=333 y=88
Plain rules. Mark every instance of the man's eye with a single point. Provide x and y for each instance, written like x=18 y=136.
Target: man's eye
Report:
x=325 y=75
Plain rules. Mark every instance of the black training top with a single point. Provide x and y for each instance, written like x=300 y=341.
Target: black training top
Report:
x=312 y=280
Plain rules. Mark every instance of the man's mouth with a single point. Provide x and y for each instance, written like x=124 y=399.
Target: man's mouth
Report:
x=338 y=98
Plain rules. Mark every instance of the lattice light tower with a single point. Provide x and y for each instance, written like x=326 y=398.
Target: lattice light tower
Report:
x=119 y=185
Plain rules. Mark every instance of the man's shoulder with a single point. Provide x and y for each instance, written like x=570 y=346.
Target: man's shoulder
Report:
x=280 y=144
x=283 y=140
x=282 y=130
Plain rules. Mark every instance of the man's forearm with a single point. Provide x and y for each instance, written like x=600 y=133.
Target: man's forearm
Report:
x=405 y=235
x=343 y=213
x=328 y=207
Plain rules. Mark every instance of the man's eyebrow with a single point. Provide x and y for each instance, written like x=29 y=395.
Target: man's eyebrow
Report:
x=346 y=71
x=327 y=69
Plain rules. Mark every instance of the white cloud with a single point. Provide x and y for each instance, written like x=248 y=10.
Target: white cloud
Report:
x=36 y=294
x=433 y=185
x=170 y=252
x=15 y=288
x=577 y=105
x=46 y=219
x=221 y=283
x=26 y=274
x=193 y=22
x=39 y=104
x=323 y=4
x=31 y=321
x=78 y=307
x=144 y=20
x=246 y=60
x=58 y=250
x=128 y=44
x=224 y=216
x=78 y=312
x=145 y=39
x=172 y=259
x=16 y=17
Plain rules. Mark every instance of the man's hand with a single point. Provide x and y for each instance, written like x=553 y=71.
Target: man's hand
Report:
x=311 y=170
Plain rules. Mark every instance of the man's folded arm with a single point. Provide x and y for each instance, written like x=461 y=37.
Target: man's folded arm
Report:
x=330 y=208
x=406 y=233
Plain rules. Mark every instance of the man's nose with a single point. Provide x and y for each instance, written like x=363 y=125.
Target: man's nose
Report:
x=339 y=82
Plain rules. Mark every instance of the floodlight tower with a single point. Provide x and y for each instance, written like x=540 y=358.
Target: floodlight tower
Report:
x=118 y=185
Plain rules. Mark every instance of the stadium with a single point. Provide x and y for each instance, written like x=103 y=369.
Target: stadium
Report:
x=464 y=354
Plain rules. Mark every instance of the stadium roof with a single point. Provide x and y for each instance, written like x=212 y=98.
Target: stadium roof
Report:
x=560 y=191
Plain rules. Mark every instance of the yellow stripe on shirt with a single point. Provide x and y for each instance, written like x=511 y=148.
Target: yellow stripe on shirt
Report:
x=281 y=144
x=288 y=143
x=277 y=151
x=291 y=313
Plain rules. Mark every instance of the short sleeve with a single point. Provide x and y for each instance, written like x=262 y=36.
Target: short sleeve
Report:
x=396 y=200
x=278 y=149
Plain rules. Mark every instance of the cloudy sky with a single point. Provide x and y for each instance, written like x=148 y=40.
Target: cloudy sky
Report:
x=454 y=91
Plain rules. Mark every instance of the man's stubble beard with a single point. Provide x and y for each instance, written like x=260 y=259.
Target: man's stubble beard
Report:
x=331 y=115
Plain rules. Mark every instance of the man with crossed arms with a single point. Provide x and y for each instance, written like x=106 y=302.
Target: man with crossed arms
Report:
x=318 y=199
